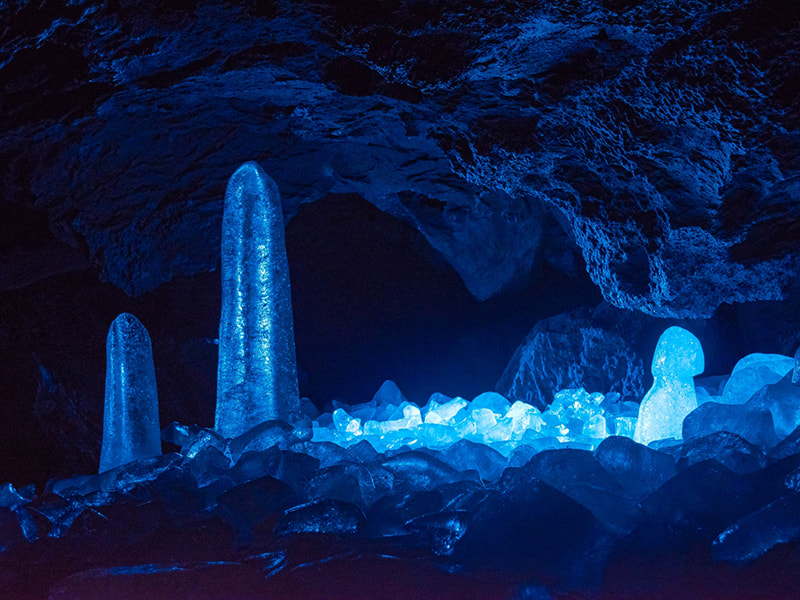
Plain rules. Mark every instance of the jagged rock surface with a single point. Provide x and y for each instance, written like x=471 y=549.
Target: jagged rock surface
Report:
x=663 y=136
x=593 y=349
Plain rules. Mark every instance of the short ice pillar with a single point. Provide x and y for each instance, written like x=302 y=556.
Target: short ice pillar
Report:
x=677 y=360
x=257 y=370
x=130 y=419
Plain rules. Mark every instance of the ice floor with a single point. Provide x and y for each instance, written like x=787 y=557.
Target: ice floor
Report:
x=455 y=498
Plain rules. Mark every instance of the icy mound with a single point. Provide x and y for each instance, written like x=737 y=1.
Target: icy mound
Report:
x=576 y=418
x=455 y=483
x=551 y=496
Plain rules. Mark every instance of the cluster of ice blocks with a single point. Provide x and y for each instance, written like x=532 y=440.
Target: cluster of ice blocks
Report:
x=575 y=418
x=468 y=481
x=672 y=410
x=714 y=460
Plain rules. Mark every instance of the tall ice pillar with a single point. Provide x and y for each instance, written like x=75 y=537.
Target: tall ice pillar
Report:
x=257 y=372
x=130 y=419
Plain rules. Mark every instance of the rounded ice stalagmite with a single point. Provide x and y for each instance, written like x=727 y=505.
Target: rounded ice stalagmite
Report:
x=130 y=418
x=257 y=371
x=677 y=360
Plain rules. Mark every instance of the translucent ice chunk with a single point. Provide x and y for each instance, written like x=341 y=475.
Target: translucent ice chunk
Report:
x=436 y=399
x=409 y=417
x=257 y=372
x=752 y=373
x=263 y=436
x=750 y=421
x=782 y=399
x=491 y=401
x=204 y=438
x=323 y=434
x=442 y=529
x=142 y=472
x=130 y=419
x=345 y=424
x=484 y=419
x=639 y=469
x=572 y=405
x=465 y=455
x=625 y=426
x=755 y=534
x=209 y=465
x=9 y=497
x=434 y=435
x=596 y=427
x=728 y=449
x=363 y=412
x=443 y=413
x=392 y=412
x=677 y=359
x=521 y=417
x=351 y=482
x=417 y=470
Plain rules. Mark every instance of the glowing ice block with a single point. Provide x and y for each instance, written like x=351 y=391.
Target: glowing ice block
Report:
x=440 y=410
x=677 y=359
x=752 y=373
x=796 y=368
x=130 y=420
x=257 y=371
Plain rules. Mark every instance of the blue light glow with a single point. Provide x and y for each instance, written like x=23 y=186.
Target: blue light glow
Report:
x=130 y=420
x=576 y=418
x=257 y=372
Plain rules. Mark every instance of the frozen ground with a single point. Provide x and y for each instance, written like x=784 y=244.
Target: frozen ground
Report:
x=471 y=498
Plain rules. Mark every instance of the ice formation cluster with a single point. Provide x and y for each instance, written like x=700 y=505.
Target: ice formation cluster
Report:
x=712 y=461
x=575 y=418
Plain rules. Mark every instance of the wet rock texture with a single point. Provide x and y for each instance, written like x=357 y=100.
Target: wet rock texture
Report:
x=662 y=136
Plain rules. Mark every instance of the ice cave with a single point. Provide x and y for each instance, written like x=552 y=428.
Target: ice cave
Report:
x=399 y=299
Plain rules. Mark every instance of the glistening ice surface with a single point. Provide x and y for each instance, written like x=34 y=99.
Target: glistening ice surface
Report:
x=130 y=420
x=757 y=401
x=561 y=496
x=678 y=358
x=257 y=373
x=575 y=418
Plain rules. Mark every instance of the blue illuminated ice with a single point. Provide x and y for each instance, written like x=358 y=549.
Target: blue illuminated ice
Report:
x=257 y=372
x=130 y=420
x=782 y=400
x=388 y=422
x=796 y=369
x=677 y=360
x=440 y=409
x=752 y=373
